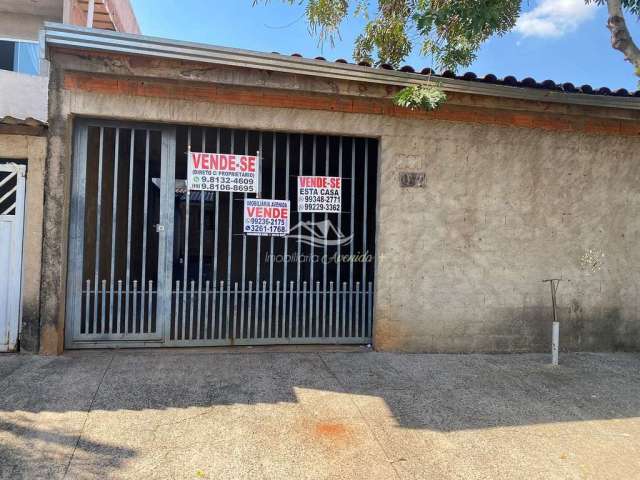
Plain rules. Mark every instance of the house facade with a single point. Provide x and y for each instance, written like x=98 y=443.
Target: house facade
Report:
x=24 y=84
x=406 y=230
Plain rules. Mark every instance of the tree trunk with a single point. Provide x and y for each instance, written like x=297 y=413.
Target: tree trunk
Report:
x=620 y=35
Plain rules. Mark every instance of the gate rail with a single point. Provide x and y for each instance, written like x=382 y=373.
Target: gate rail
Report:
x=266 y=315
x=200 y=282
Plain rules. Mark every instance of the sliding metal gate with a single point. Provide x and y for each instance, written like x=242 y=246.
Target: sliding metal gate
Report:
x=152 y=263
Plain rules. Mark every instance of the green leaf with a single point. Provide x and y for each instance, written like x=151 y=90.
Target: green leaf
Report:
x=420 y=97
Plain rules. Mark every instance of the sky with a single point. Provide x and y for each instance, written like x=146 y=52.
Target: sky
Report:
x=561 y=40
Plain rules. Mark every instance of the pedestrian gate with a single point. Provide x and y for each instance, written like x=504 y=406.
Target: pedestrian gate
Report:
x=154 y=264
x=12 y=187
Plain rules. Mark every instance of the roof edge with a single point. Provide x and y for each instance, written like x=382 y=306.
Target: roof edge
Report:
x=60 y=35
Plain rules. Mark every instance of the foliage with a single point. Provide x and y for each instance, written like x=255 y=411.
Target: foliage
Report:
x=420 y=97
x=451 y=31
x=632 y=6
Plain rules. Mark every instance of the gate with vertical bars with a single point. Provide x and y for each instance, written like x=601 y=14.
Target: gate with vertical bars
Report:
x=154 y=264
x=12 y=209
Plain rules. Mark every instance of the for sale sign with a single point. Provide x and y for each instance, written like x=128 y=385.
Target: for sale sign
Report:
x=222 y=172
x=319 y=194
x=266 y=217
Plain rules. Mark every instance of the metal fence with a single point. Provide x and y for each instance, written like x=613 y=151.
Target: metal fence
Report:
x=152 y=263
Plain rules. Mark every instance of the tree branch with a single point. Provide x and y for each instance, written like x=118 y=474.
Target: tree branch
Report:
x=620 y=35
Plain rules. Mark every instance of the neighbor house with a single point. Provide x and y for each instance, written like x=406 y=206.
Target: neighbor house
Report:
x=24 y=83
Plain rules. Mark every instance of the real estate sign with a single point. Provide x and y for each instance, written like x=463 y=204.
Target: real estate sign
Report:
x=266 y=217
x=319 y=194
x=222 y=172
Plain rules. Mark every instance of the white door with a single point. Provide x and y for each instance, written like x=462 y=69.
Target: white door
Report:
x=11 y=228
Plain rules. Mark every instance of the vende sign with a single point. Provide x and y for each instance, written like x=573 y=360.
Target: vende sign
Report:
x=222 y=172
x=266 y=217
x=319 y=194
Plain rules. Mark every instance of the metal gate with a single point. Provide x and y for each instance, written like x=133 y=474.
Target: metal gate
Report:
x=12 y=186
x=152 y=263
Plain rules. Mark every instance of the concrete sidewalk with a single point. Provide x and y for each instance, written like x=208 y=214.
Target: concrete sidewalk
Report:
x=198 y=414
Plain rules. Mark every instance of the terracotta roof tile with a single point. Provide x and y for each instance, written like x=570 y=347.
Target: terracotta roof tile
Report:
x=509 y=80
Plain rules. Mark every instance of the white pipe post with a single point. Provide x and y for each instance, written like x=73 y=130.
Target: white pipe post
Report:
x=555 y=332
x=259 y=174
x=555 y=342
x=90 y=11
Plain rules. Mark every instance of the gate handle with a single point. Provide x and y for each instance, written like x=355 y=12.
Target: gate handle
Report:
x=159 y=228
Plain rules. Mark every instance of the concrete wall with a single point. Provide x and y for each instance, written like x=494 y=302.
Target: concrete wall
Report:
x=33 y=150
x=20 y=26
x=45 y=8
x=27 y=97
x=459 y=263
x=23 y=19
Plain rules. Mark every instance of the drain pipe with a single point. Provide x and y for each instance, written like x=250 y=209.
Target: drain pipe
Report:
x=555 y=330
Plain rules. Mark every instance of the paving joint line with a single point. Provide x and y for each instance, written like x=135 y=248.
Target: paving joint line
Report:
x=364 y=419
x=86 y=418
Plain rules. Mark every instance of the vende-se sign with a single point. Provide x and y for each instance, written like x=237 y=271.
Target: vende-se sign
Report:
x=222 y=172
x=319 y=194
x=266 y=217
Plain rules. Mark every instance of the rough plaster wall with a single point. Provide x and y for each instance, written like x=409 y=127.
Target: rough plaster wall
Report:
x=57 y=177
x=460 y=262
x=36 y=154
x=33 y=150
